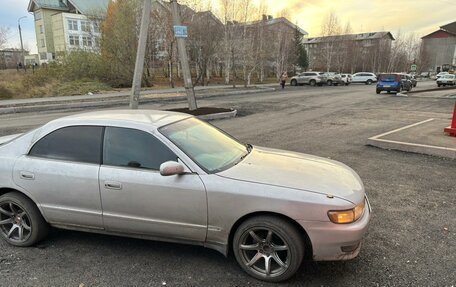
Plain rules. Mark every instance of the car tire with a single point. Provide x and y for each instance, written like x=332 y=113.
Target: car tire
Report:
x=378 y=92
x=294 y=82
x=336 y=84
x=329 y=83
x=438 y=85
x=268 y=239
x=312 y=83
x=21 y=222
x=369 y=82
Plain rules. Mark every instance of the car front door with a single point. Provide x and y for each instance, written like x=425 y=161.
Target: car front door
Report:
x=61 y=172
x=137 y=199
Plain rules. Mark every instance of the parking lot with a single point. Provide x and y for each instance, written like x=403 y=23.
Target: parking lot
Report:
x=411 y=239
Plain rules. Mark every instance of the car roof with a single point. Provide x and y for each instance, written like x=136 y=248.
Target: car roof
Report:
x=149 y=117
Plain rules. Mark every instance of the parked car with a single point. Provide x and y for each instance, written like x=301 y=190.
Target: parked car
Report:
x=363 y=77
x=441 y=74
x=308 y=78
x=394 y=82
x=169 y=176
x=425 y=75
x=346 y=78
x=446 y=80
x=333 y=79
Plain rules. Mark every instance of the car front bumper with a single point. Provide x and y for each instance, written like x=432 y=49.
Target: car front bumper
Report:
x=335 y=242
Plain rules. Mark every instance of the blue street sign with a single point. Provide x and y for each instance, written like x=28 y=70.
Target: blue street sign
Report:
x=180 y=31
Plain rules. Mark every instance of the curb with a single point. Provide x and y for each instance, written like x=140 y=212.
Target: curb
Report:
x=432 y=90
x=439 y=151
x=118 y=102
x=218 y=116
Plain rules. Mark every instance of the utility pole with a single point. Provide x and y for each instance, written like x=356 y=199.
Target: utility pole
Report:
x=184 y=59
x=22 y=45
x=140 y=55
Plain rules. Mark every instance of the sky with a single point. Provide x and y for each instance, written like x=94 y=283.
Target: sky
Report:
x=409 y=16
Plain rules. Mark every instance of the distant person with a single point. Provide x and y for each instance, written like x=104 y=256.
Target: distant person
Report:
x=283 y=79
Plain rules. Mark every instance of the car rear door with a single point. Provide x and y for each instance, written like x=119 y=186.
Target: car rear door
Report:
x=137 y=199
x=61 y=172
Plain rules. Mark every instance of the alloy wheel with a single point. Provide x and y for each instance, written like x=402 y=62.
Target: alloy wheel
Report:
x=15 y=223
x=264 y=252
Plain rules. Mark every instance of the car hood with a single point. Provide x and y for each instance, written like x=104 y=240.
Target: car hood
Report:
x=298 y=171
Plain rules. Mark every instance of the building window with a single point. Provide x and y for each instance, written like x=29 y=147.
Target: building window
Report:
x=37 y=15
x=74 y=40
x=73 y=25
x=86 y=41
x=43 y=56
x=85 y=26
x=41 y=29
x=43 y=44
x=96 y=27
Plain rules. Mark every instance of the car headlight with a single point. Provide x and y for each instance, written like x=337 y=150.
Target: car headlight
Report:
x=347 y=216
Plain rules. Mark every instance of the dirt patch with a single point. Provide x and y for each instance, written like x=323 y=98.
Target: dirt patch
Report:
x=202 y=111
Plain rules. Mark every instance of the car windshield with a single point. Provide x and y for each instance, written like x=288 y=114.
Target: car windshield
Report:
x=388 y=77
x=210 y=148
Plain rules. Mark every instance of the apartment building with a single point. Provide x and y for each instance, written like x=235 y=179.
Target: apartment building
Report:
x=62 y=26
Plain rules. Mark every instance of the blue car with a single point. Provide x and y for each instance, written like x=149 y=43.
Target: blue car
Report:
x=394 y=83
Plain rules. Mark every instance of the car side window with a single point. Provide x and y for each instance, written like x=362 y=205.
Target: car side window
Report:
x=134 y=148
x=76 y=143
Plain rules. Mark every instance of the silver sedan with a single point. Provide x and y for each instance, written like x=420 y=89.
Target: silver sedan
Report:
x=171 y=177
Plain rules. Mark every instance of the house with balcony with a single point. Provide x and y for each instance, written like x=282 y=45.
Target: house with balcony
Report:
x=62 y=26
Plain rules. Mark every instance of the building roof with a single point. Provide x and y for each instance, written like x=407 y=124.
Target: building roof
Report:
x=355 y=37
x=451 y=28
x=85 y=7
x=273 y=21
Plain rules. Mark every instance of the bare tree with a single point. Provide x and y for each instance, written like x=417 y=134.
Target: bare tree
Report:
x=330 y=28
x=4 y=32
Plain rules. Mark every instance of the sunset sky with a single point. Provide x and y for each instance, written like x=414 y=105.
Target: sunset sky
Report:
x=418 y=16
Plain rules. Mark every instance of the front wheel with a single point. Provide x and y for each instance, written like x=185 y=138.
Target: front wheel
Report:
x=378 y=92
x=21 y=223
x=294 y=82
x=268 y=248
x=312 y=83
x=329 y=82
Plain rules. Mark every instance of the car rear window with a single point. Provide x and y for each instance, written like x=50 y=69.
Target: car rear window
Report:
x=389 y=77
x=76 y=143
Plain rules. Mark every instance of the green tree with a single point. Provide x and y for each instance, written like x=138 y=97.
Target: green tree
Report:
x=302 y=60
x=119 y=41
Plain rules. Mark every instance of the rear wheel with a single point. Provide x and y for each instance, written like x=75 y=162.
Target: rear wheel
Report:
x=21 y=223
x=369 y=82
x=294 y=82
x=268 y=248
x=329 y=82
x=312 y=82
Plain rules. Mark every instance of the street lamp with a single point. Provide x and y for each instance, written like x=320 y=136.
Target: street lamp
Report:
x=22 y=45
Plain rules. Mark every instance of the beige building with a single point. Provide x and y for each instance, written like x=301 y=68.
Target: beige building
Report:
x=65 y=25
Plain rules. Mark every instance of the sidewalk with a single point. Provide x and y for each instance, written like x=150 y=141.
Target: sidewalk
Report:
x=119 y=98
x=425 y=137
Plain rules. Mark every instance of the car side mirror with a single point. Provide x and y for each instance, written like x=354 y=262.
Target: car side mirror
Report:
x=170 y=168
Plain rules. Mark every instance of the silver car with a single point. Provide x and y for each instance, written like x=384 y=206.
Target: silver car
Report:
x=308 y=78
x=171 y=177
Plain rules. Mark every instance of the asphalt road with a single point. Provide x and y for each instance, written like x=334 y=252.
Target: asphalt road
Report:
x=411 y=240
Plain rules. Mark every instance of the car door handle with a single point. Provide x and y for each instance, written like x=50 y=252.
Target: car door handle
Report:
x=27 y=175
x=113 y=185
